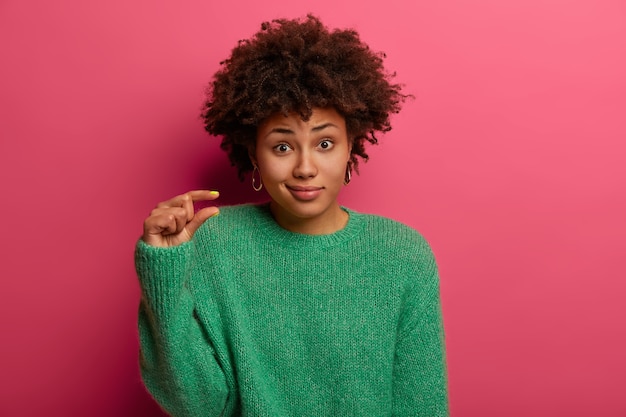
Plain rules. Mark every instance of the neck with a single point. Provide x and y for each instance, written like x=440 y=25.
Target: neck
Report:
x=331 y=221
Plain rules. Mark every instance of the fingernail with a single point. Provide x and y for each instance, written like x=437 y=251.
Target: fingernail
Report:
x=214 y=192
x=216 y=214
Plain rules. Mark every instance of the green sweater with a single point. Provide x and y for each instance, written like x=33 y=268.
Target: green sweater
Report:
x=249 y=319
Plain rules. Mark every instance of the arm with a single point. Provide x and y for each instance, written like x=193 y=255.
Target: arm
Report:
x=177 y=360
x=420 y=374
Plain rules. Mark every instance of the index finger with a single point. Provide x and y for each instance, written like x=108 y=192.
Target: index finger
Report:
x=201 y=195
x=187 y=199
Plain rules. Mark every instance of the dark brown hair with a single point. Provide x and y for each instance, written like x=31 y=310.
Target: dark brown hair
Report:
x=295 y=66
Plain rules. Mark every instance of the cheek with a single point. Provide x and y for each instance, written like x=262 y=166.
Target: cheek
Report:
x=336 y=169
x=273 y=170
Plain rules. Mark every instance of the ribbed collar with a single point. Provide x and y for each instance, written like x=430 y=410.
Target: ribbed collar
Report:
x=292 y=240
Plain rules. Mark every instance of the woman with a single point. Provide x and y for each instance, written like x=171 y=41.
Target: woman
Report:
x=298 y=307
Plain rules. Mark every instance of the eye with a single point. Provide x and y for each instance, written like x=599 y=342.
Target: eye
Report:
x=282 y=148
x=326 y=144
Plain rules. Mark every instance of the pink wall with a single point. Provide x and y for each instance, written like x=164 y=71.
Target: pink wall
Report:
x=510 y=161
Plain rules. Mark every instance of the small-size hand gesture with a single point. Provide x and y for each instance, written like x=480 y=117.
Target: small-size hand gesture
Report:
x=173 y=222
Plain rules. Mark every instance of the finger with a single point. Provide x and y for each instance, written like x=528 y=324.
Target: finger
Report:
x=187 y=200
x=188 y=206
x=168 y=220
x=200 y=217
x=196 y=195
x=202 y=195
x=159 y=223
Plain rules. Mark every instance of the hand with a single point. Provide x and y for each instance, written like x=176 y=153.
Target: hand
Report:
x=173 y=222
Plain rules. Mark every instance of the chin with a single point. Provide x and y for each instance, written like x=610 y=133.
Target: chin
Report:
x=309 y=211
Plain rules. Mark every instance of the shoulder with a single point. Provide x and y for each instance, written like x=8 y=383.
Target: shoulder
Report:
x=234 y=222
x=395 y=243
x=401 y=251
x=386 y=231
x=242 y=213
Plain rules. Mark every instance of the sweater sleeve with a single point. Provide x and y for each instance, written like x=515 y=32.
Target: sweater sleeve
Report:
x=420 y=374
x=177 y=360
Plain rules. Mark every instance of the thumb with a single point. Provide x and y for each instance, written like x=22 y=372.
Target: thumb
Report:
x=199 y=218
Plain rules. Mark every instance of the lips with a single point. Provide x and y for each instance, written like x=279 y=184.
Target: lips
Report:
x=304 y=193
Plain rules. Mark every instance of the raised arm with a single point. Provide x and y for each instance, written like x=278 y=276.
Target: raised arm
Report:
x=178 y=363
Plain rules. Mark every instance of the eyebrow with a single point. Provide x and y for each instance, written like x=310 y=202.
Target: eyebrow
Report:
x=287 y=131
x=322 y=127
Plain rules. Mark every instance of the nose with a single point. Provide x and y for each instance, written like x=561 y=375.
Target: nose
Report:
x=305 y=166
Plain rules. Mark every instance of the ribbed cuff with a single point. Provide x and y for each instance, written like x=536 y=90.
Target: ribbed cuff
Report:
x=162 y=273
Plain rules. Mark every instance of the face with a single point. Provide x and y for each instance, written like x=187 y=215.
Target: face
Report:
x=303 y=166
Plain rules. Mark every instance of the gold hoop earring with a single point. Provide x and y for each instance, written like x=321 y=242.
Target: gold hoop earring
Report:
x=255 y=170
x=348 y=176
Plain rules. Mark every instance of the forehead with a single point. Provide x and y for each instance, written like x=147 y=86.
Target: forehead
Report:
x=319 y=117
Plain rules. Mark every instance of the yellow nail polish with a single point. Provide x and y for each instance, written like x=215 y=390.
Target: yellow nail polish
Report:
x=214 y=192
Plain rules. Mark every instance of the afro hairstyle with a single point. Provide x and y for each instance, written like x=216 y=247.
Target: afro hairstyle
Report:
x=296 y=66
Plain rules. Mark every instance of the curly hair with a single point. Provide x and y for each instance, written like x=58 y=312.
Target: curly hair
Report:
x=296 y=66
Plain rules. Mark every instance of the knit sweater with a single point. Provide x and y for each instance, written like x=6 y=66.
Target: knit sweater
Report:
x=249 y=319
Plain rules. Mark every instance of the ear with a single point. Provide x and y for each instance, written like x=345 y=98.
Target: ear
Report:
x=350 y=142
x=252 y=156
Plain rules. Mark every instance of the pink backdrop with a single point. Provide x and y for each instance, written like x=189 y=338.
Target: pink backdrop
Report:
x=510 y=161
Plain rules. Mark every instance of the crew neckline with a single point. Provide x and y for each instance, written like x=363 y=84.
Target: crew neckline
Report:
x=281 y=236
